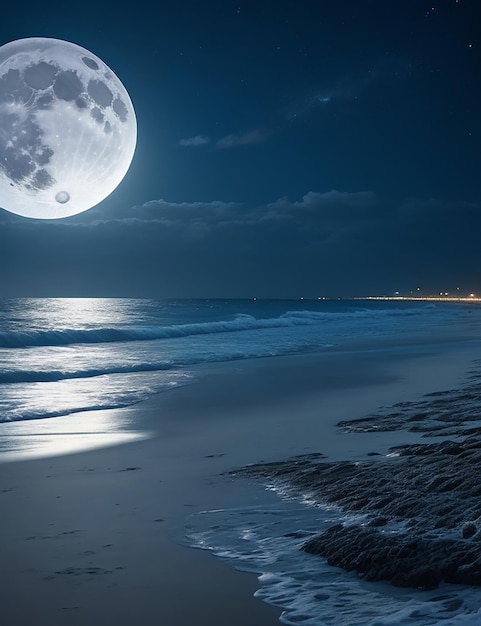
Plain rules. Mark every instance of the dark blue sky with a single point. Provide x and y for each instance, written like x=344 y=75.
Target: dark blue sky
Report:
x=326 y=147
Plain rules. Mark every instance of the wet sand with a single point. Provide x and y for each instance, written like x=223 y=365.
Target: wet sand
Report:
x=95 y=537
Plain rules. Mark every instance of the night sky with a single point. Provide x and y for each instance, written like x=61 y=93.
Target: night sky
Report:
x=285 y=149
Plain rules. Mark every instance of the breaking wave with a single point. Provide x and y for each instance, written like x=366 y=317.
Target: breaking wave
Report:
x=32 y=376
x=242 y=322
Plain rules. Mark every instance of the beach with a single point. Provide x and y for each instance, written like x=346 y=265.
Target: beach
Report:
x=98 y=536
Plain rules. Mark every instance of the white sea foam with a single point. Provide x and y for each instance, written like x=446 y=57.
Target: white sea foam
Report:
x=266 y=540
x=64 y=397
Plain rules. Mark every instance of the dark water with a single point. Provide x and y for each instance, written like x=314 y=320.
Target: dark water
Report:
x=66 y=355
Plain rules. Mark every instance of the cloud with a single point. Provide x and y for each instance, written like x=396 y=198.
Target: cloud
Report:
x=333 y=243
x=333 y=210
x=258 y=135
x=198 y=140
x=350 y=86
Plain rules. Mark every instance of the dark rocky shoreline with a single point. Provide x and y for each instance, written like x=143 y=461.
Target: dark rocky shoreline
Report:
x=415 y=514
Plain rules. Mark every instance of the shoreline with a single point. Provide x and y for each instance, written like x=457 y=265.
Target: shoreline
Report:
x=96 y=536
x=409 y=517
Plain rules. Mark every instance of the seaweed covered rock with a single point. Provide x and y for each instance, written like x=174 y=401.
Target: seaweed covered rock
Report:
x=402 y=560
x=419 y=509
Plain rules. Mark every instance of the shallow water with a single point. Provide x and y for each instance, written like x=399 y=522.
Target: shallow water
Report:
x=266 y=540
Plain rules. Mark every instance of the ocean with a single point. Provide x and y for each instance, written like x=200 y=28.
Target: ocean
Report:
x=60 y=356
x=68 y=357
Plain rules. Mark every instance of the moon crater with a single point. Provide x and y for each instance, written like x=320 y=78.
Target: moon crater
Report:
x=62 y=197
x=90 y=63
x=99 y=92
x=40 y=75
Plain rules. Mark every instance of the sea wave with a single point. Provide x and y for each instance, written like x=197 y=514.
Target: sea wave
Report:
x=242 y=322
x=66 y=397
x=35 y=376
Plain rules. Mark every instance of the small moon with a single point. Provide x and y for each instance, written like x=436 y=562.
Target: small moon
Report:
x=68 y=129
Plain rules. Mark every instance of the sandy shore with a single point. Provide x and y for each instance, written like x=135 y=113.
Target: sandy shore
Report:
x=95 y=537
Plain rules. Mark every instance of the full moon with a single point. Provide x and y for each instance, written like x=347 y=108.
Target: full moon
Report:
x=67 y=128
